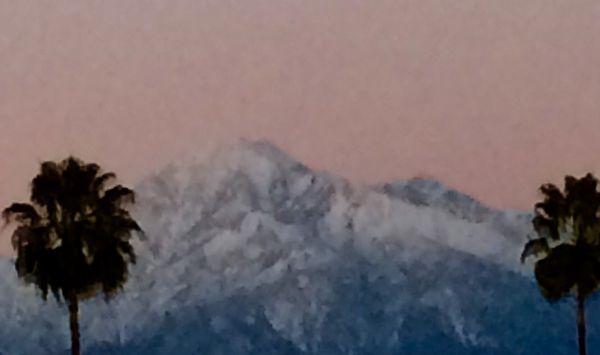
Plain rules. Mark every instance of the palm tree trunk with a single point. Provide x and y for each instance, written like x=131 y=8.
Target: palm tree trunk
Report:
x=74 y=323
x=581 y=325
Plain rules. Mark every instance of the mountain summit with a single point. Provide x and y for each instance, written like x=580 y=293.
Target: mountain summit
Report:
x=252 y=252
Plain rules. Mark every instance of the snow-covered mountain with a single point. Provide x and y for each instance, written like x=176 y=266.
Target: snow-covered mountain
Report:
x=251 y=252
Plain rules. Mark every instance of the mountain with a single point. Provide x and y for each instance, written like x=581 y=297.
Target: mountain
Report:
x=252 y=252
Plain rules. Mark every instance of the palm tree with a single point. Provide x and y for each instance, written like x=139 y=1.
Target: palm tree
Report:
x=568 y=226
x=73 y=239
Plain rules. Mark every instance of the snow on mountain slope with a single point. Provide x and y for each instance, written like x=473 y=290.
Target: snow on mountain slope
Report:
x=251 y=252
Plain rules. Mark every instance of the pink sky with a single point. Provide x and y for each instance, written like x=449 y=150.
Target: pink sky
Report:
x=490 y=97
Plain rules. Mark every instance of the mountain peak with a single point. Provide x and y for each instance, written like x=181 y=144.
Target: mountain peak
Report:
x=252 y=245
x=264 y=148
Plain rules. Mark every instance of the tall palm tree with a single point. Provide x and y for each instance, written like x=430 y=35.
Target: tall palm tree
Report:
x=568 y=245
x=73 y=239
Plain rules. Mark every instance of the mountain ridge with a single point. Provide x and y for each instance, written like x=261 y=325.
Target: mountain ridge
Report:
x=252 y=252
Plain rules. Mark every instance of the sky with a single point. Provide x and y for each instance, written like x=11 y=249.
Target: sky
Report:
x=493 y=98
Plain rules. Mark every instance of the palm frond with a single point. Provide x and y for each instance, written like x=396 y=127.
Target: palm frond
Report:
x=47 y=185
x=535 y=247
x=22 y=213
x=556 y=274
x=552 y=193
x=546 y=228
x=100 y=182
x=117 y=195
